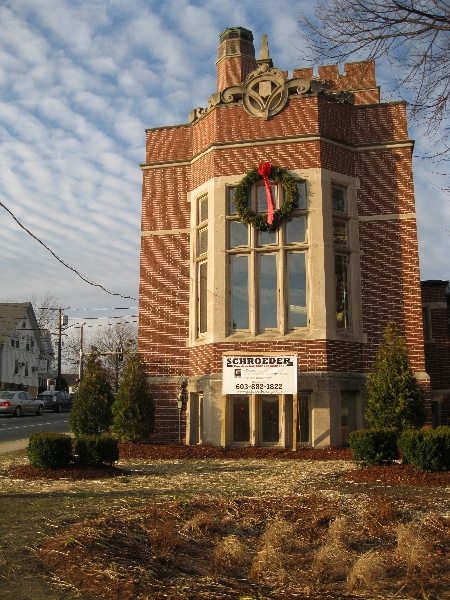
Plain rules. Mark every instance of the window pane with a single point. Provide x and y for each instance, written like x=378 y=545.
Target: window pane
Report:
x=266 y=237
x=203 y=241
x=304 y=421
x=340 y=236
x=241 y=419
x=341 y=273
x=202 y=297
x=239 y=292
x=296 y=230
x=261 y=198
x=230 y=200
x=338 y=199
x=301 y=187
x=270 y=419
x=296 y=266
x=268 y=314
x=238 y=234
x=203 y=209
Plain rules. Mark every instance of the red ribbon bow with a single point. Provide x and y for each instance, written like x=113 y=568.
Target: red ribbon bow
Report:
x=265 y=170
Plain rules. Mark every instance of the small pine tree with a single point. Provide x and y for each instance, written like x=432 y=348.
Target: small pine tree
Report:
x=133 y=409
x=394 y=398
x=91 y=409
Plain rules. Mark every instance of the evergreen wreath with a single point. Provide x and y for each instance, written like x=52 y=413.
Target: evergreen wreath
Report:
x=258 y=221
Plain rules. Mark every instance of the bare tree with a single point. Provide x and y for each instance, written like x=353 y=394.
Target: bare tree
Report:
x=112 y=342
x=46 y=311
x=413 y=35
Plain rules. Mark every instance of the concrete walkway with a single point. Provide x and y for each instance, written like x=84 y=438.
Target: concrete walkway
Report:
x=6 y=447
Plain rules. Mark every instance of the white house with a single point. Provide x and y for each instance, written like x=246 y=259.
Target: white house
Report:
x=26 y=352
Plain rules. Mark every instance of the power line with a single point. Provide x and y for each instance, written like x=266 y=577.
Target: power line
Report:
x=86 y=279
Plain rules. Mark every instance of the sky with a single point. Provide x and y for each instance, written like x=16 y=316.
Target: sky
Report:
x=80 y=81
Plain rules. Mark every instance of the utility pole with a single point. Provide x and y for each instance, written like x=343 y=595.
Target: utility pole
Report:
x=80 y=365
x=60 y=324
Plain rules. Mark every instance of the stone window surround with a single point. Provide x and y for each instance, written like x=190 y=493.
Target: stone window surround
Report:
x=281 y=249
x=320 y=264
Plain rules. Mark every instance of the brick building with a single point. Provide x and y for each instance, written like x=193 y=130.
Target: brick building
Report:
x=436 y=329
x=316 y=293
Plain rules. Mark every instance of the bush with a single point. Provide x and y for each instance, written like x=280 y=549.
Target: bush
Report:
x=427 y=450
x=394 y=398
x=49 y=450
x=133 y=409
x=91 y=409
x=374 y=446
x=97 y=450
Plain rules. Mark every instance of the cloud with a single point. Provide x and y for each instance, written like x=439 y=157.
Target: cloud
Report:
x=79 y=84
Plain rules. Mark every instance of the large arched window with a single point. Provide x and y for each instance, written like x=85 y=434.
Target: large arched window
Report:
x=267 y=270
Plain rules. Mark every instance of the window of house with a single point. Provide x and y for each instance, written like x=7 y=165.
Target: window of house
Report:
x=27 y=344
x=341 y=255
x=13 y=342
x=27 y=369
x=32 y=343
x=17 y=342
x=201 y=250
x=426 y=317
x=16 y=367
x=267 y=270
x=304 y=421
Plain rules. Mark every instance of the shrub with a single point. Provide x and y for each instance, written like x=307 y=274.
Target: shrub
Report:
x=49 y=450
x=133 y=409
x=394 y=398
x=374 y=446
x=91 y=409
x=427 y=450
x=97 y=450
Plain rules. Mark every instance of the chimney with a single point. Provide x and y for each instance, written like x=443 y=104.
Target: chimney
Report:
x=236 y=57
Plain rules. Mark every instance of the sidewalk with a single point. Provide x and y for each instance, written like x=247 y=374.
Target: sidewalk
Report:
x=6 y=447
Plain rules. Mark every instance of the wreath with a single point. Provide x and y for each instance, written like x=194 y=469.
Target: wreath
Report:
x=242 y=193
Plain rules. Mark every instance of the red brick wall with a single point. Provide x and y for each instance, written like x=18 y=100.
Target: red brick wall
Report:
x=389 y=255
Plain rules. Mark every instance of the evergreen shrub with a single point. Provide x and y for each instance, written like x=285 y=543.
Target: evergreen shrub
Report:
x=427 y=450
x=49 y=450
x=91 y=407
x=133 y=408
x=374 y=446
x=97 y=450
x=394 y=397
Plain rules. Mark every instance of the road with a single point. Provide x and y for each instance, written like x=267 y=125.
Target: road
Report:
x=12 y=429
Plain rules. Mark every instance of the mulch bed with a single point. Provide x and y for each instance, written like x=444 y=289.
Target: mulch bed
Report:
x=163 y=451
x=389 y=474
x=395 y=475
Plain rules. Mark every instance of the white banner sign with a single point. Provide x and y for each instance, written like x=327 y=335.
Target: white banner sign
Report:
x=259 y=374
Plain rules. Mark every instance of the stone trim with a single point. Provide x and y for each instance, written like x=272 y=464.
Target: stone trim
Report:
x=273 y=141
x=391 y=217
x=165 y=232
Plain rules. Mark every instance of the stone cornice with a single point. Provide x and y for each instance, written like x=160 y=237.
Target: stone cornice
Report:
x=388 y=145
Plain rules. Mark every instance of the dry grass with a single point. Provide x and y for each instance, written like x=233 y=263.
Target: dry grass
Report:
x=207 y=529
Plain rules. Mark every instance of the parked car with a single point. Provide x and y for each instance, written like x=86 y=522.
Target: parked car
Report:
x=18 y=403
x=57 y=401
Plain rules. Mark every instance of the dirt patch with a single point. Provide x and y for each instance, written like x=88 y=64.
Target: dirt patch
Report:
x=395 y=474
x=72 y=472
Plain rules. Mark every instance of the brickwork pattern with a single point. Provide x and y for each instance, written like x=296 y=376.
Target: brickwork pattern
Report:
x=389 y=256
x=437 y=351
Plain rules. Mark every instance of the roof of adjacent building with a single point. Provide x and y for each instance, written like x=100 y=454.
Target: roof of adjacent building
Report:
x=10 y=315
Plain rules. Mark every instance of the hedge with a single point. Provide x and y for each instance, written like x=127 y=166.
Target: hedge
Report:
x=374 y=446
x=427 y=450
x=49 y=450
x=97 y=450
